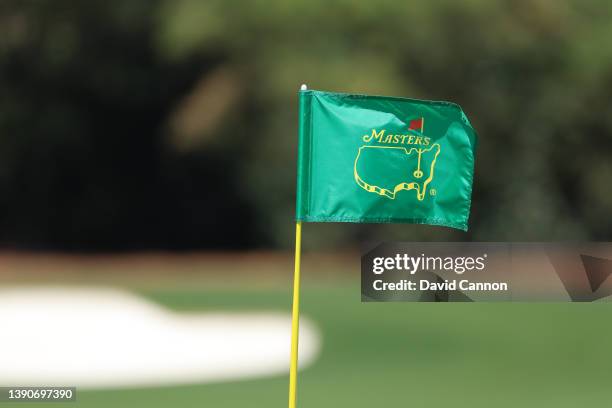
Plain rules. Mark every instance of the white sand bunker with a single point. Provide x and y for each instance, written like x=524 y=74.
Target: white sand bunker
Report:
x=105 y=338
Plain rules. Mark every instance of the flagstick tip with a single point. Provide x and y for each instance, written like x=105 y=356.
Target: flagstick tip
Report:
x=303 y=87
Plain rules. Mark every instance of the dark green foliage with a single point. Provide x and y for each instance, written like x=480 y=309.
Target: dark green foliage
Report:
x=96 y=153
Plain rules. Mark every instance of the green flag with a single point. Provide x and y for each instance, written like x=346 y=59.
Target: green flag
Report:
x=383 y=159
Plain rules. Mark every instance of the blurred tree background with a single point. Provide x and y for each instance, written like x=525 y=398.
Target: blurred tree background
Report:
x=171 y=124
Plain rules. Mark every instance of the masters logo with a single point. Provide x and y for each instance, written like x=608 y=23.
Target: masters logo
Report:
x=408 y=159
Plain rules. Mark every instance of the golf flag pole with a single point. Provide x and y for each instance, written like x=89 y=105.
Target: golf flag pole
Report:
x=295 y=318
x=295 y=314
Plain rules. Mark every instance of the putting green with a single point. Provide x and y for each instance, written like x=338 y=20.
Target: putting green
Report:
x=408 y=354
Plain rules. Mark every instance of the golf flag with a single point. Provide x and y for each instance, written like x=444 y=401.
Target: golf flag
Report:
x=383 y=160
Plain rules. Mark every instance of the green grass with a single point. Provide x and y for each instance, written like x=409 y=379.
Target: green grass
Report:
x=408 y=354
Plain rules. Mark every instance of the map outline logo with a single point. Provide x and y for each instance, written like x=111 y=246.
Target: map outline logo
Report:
x=415 y=138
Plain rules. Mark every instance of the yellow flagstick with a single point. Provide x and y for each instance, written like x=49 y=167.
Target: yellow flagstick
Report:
x=295 y=319
x=295 y=314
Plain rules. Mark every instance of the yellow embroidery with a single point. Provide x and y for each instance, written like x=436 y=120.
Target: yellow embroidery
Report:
x=418 y=173
x=421 y=189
